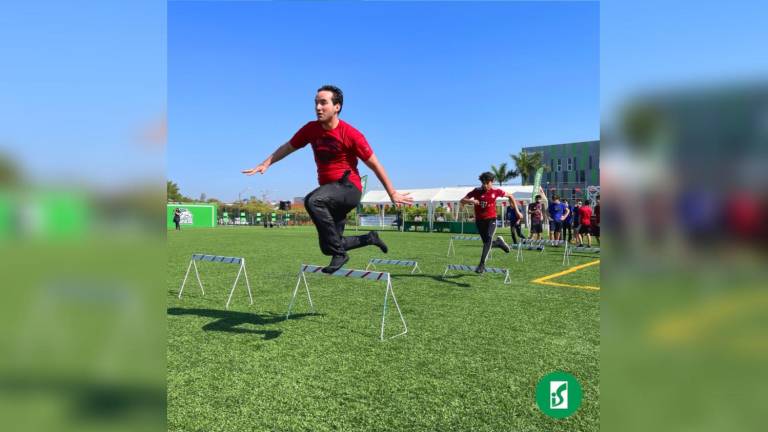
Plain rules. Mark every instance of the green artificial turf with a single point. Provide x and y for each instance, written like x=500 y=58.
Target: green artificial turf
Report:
x=470 y=361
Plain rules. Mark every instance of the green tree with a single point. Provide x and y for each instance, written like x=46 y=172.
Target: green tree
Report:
x=10 y=173
x=527 y=164
x=502 y=174
x=173 y=193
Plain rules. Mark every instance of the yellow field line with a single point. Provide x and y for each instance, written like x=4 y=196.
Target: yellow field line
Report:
x=545 y=280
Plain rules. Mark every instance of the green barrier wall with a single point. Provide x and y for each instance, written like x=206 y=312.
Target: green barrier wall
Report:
x=193 y=215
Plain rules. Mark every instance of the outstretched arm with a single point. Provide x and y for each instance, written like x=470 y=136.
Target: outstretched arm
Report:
x=281 y=152
x=378 y=169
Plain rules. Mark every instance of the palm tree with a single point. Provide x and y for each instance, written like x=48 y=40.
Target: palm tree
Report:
x=174 y=193
x=527 y=164
x=501 y=173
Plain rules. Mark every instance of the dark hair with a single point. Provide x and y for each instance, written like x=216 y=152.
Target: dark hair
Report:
x=338 y=95
x=537 y=197
x=587 y=202
x=555 y=197
x=486 y=177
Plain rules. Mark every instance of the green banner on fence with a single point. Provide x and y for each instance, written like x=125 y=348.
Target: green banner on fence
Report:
x=537 y=183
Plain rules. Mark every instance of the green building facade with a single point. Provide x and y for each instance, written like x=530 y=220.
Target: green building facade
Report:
x=572 y=167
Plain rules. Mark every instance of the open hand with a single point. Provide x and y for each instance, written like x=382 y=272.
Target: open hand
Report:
x=400 y=199
x=261 y=169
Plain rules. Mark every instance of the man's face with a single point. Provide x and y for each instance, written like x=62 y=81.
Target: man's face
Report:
x=488 y=185
x=324 y=107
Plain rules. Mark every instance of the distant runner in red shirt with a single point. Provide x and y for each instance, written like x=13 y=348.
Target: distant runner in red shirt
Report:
x=585 y=228
x=484 y=200
x=337 y=146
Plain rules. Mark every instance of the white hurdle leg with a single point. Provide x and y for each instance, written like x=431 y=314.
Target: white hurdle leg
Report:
x=565 y=253
x=194 y=264
x=370 y=264
x=309 y=296
x=384 y=312
x=234 y=285
x=247 y=283
x=416 y=267
x=519 y=251
x=450 y=247
x=293 y=298
x=295 y=292
x=445 y=272
x=507 y=279
x=181 y=290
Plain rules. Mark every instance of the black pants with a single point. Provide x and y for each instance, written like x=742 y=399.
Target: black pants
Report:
x=515 y=228
x=567 y=232
x=328 y=206
x=178 y=225
x=486 y=228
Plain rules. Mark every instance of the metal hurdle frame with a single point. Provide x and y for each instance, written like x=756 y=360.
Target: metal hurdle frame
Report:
x=466 y=237
x=220 y=259
x=464 y=267
x=571 y=249
x=528 y=245
x=373 y=261
x=357 y=274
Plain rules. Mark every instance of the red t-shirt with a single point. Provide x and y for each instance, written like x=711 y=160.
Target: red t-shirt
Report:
x=336 y=150
x=487 y=207
x=585 y=213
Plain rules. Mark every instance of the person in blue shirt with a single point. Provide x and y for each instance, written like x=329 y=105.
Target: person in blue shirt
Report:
x=557 y=214
x=515 y=218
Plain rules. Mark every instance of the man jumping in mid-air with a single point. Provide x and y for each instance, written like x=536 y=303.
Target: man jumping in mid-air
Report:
x=337 y=146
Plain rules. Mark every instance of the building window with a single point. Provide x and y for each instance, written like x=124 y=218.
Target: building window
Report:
x=565 y=177
x=583 y=176
x=570 y=164
x=559 y=165
x=575 y=165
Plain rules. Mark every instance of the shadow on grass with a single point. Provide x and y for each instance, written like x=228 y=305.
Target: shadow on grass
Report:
x=228 y=321
x=438 y=278
x=85 y=398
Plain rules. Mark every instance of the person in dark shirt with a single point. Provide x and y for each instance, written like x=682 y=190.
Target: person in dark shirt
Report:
x=536 y=216
x=177 y=219
x=568 y=222
x=515 y=218
x=596 y=220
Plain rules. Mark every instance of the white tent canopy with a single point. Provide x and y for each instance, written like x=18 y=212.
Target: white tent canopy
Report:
x=433 y=197
x=445 y=194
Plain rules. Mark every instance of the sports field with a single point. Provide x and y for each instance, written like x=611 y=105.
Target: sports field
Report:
x=474 y=350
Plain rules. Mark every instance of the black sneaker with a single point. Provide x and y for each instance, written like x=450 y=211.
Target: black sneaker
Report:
x=336 y=262
x=373 y=238
x=500 y=243
x=480 y=268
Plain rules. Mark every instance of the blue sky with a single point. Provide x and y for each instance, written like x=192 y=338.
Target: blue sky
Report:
x=441 y=90
x=81 y=81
